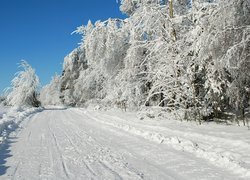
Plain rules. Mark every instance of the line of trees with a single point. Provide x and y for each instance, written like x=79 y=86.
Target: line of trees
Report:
x=180 y=55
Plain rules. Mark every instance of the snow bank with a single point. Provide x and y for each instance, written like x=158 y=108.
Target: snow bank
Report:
x=224 y=158
x=11 y=118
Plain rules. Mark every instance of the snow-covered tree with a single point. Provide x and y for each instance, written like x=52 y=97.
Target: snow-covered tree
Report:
x=50 y=94
x=24 y=87
x=130 y=6
x=181 y=55
x=221 y=51
x=105 y=45
x=74 y=63
x=132 y=82
x=2 y=100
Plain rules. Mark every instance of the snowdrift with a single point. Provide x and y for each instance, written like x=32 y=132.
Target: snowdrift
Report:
x=10 y=119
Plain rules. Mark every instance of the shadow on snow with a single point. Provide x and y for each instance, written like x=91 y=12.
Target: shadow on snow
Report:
x=5 y=153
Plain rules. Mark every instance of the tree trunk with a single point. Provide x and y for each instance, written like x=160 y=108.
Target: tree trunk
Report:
x=171 y=11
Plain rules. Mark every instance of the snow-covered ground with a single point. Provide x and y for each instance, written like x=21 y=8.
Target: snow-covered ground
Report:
x=88 y=144
x=10 y=118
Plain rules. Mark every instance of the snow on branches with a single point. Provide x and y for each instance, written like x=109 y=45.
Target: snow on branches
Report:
x=194 y=59
x=24 y=87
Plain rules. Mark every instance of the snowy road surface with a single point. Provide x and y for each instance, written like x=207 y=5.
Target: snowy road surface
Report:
x=81 y=144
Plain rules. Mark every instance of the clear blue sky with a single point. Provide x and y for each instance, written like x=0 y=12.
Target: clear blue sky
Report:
x=39 y=32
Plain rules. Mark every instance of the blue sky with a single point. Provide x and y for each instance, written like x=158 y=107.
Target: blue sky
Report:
x=39 y=31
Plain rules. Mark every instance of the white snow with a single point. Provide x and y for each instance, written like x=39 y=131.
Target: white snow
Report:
x=193 y=63
x=89 y=144
x=11 y=117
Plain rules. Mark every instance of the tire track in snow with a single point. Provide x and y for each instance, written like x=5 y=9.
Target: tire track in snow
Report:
x=98 y=148
x=28 y=138
x=115 y=174
x=180 y=144
x=15 y=171
x=95 y=147
x=90 y=123
x=101 y=153
x=77 y=150
x=192 y=135
x=64 y=166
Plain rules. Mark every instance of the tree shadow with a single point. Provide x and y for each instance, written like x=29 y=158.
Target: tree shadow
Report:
x=5 y=153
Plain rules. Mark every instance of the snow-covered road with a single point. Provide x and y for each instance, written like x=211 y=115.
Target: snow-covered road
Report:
x=80 y=144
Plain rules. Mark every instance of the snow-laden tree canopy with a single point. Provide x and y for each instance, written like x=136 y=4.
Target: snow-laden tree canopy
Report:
x=24 y=87
x=183 y=55
x=50 y=94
